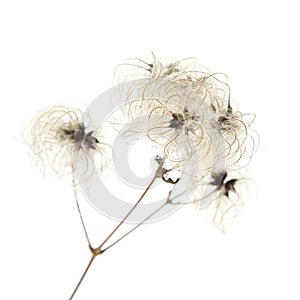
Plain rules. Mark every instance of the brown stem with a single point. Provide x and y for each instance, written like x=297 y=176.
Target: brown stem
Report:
x=82 y=276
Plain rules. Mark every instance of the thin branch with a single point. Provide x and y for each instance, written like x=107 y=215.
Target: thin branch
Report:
x=135 y=227
x=78 y=208
x=168 y=201
x=158 y=174
x=98 y=249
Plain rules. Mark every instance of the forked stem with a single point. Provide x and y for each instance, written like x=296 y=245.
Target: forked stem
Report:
x=97 y=251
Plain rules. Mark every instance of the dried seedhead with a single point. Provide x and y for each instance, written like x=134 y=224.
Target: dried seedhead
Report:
x=136 y=68
x=240 y=140
x=58 y=139
x=190 y=108
x=182 y=100
x=223 y=202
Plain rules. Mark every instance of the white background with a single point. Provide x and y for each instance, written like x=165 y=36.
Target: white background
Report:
x=55 y=51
